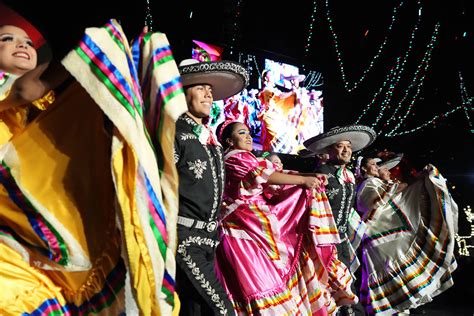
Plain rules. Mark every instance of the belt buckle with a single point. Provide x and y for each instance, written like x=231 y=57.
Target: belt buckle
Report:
x=211 y=226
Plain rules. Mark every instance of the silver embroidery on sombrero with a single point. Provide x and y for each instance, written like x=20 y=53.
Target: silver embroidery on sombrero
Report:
x=225 y=66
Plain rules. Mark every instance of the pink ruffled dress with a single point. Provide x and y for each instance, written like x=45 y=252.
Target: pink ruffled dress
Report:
x=277 y=253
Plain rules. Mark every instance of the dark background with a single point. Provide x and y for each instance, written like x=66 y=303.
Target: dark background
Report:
x=283 y=29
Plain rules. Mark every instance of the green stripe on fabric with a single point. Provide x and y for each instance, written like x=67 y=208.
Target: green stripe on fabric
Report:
x=163 y=60
x=124 y=50
x=64 y=259
x=103 y=77
x=158 y=237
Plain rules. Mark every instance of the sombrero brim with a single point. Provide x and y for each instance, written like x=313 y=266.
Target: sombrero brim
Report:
x=360 y=137
x=389 y=164
x=305 y=153
x=227 y=78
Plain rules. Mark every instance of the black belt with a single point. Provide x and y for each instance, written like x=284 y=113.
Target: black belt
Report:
x=194 y=223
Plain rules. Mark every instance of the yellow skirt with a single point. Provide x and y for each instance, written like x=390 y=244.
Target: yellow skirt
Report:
x=60 y=246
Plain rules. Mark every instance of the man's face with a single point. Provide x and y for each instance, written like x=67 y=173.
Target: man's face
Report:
x=17 y=54
x=340 y=152
x=199 y=99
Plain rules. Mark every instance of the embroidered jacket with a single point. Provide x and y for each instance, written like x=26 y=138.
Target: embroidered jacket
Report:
x=201 y=172
x=341 y=196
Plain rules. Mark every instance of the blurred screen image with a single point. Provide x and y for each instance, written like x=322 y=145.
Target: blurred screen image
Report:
x=282 y=106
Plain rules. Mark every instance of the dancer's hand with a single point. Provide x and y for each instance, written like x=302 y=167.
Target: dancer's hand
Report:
x=323 y=178
x=311 y=182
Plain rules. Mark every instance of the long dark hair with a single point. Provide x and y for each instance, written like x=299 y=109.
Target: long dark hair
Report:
x=361 y=168
x=224 y=130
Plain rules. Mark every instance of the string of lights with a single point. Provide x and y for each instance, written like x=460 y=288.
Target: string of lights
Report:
x=148 y=17
x=466 y=100
x=432 y=121
x=235 y=26
x=313 y=80
x=249 y=61
x=256 y=65
x=415 y=79
x=418 y=80
x=465 y=242
x=392 y=77
x=310 y=33
x=352 y=86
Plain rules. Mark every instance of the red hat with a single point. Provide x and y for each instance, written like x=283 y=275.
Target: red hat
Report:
x=10 y=17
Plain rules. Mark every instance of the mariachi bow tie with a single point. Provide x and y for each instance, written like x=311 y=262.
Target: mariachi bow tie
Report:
x=204 y=134
x=344 y=175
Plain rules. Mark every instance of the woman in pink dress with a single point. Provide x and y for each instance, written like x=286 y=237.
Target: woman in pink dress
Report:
x=277 y=253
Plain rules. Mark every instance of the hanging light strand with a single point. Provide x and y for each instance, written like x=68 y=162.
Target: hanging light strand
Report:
x=313 y=80
x=352 y=86
x=418 y=79
x=256 y=65
x=307 y=46
x=430 y=122
x=465 y=99
x=392 y=77
x=148 y=17
x=235 y=26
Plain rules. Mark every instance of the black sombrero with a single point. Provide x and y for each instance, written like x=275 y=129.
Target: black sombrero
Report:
x=360 y=137
x=227 y=78
x=306 y=153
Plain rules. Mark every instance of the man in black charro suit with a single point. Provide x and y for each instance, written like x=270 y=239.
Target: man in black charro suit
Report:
x=199 y=161
x=339 y=143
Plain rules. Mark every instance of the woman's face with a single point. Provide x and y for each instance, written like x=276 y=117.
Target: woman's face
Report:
x=17 y=54
x=371 y=168
x=268 y=79
x=240 y=137
x=276 y=161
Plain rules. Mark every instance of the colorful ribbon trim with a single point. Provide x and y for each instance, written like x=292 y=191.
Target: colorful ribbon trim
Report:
x=113 y=284
x=57 y=249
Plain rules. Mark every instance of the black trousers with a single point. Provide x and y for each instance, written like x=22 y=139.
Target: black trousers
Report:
x=192 y=302
x=198 y=288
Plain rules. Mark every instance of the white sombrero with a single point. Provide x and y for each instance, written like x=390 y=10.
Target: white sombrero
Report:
x=227 y=78
x=360 y=137
x=389 y=164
